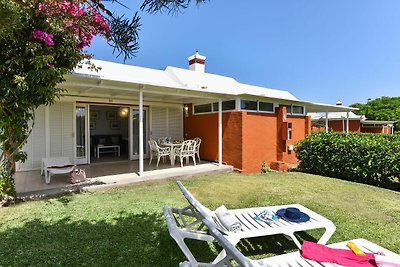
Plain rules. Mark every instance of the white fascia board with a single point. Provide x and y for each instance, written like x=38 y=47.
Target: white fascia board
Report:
x=378 y=122
x=72 y=80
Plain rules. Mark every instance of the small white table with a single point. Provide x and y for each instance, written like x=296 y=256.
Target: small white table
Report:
x=172 y=153
x=108 y=149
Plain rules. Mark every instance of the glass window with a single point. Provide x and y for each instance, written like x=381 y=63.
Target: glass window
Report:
x=297 y=110
x=264 y=106
x=248 y=105
x=202 y=108
x=228 y=105
x=215 y=106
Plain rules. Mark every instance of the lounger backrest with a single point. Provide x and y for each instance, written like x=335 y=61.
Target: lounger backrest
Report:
x=204 y=212
x=56 y=161
x=231 y=251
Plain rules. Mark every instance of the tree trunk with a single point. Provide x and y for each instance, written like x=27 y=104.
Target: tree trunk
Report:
x=8 y=194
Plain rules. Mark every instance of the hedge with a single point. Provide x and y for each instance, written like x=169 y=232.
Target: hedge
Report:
x=361 y=157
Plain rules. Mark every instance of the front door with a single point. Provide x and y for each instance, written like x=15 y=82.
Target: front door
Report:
x=134 y=132
x=81 y=136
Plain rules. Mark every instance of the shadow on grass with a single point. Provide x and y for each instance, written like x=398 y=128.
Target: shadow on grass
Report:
x=129 y=240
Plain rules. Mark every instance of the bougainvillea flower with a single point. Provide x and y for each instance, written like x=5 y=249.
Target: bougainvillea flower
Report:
x=44 y=36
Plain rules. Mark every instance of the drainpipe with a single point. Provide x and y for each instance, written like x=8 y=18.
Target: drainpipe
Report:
x=141 y=172
x=326 y=121
x=219 y=132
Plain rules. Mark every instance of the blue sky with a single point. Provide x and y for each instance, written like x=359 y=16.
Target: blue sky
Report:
x=320 y=50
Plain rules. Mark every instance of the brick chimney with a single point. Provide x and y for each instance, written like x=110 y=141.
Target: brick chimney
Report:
x=197 y=62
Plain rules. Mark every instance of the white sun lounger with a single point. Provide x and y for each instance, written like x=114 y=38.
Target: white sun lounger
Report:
x=293 y=259
x=56 y=165
x=250 y=226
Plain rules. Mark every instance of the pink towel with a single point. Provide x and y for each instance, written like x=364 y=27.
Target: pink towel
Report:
x=345 y=257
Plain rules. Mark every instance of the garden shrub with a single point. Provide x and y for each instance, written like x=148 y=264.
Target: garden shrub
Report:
x=361 y=157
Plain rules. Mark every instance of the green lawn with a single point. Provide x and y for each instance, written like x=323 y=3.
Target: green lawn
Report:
x=125 y=226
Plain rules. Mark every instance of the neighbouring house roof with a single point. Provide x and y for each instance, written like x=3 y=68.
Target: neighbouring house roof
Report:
x=335 y=116
x=383 y=123
x=332 y=116
x=113 y=76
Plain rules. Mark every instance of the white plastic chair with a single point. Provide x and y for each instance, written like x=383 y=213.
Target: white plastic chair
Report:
x=156 y=150
x=186 y=150
x=56 y=165
x=293 y=259
x=196 y=213
x=197 y=149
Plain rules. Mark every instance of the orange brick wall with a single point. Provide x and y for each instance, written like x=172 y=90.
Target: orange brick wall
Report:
x=249 y=138
x=259 y=140
x=205 y=126
x=338 y=126
x=377 y=129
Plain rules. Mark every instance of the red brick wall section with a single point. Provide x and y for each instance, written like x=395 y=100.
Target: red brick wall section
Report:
x=249 y=138
x=340 y=126
x=259 y=140
x=205 y=126
x=377 y=129
x=299 y=131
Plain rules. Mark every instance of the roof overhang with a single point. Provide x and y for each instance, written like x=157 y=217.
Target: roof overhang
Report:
x=370 y=122
x=94 y=86
x=310 y=106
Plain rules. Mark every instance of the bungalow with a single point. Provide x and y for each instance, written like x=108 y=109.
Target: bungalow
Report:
x=241 y=125
x=337 y=121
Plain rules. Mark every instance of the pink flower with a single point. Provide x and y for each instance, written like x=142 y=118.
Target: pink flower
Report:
x=44 y=36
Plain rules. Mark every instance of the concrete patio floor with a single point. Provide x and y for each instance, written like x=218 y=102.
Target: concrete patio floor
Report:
x=30 y=184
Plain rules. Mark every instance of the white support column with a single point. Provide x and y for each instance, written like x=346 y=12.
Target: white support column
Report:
x=326 y=121
x=347 y=122
x=219 y=132
x=141 y=171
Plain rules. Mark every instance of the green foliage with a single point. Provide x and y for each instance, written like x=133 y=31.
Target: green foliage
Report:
x=365 y=158
x=29 y=71
x=383 y=108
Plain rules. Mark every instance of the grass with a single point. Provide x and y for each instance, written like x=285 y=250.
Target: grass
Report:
x=125 y=226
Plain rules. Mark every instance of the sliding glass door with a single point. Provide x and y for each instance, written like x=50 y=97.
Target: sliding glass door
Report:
x=134 y=132
x=81 y=136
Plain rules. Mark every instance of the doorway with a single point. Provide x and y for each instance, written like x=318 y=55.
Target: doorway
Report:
x=108 y=131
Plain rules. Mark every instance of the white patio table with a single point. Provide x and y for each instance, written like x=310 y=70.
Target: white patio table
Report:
x=172 y=145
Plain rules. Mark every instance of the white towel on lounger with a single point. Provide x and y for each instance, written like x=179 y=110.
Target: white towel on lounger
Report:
x=227 y=219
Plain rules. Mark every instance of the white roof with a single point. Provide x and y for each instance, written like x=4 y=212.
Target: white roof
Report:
x=335 y=116
x=126 y=73
x=189 y=80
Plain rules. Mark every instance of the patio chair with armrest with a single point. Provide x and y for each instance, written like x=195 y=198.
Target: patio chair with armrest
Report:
x=250 y=226
x=159 y=152
x=186 y=150
x=293 y=259
x=197 y=149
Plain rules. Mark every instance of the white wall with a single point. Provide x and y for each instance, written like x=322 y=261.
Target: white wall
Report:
x=61 y=138
x=166 y=122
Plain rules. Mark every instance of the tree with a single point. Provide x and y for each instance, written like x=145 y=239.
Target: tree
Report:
x=41 y=41
x=383 y=108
